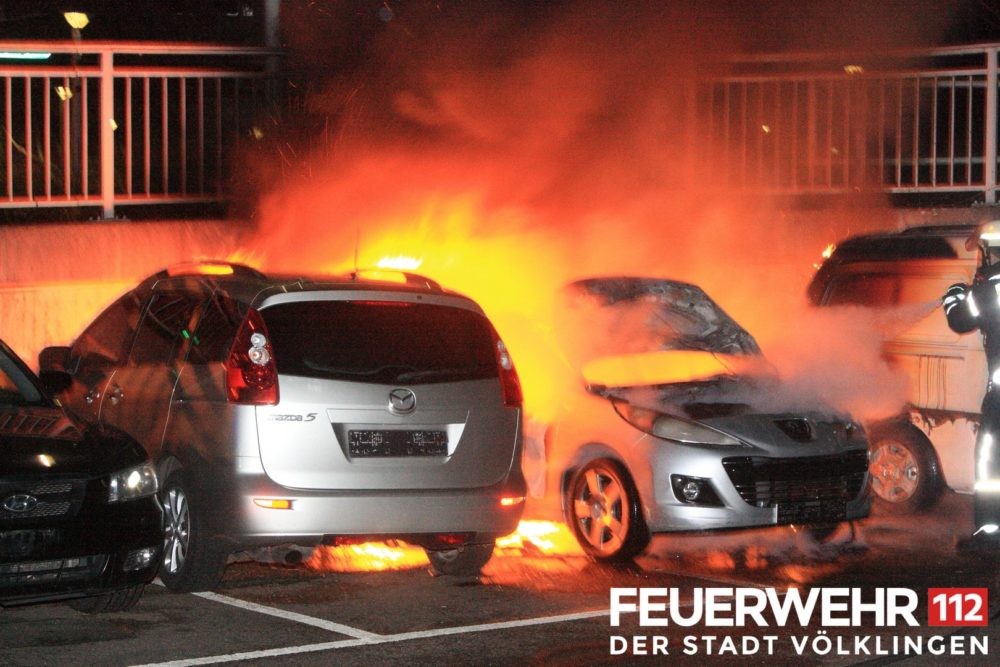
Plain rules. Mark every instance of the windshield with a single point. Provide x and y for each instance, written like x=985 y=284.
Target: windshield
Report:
x=16 y=388
x=637 y=315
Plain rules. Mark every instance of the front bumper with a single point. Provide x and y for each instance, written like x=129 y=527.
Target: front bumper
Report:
x=79 y=556
x=759 y=491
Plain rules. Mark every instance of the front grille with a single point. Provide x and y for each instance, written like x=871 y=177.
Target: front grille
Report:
x=766 y=482
x=49 y=571
x=799 y=430
x=37 y=498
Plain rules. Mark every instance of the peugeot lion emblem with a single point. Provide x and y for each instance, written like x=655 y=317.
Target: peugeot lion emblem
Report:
x=402 y=401
x=20 y=502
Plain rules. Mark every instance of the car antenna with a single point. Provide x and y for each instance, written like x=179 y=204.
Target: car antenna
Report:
x=357 y=244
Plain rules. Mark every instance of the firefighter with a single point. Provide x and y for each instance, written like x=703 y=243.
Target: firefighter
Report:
x=971 y=307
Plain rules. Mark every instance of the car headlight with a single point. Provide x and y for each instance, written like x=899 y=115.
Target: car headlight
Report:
x=132 y=483
x=669 y=427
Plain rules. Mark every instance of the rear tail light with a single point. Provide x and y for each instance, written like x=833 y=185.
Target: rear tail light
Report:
x=251 y=375
x=510 y=384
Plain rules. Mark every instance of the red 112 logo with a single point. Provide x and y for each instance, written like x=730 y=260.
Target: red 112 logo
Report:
x=957 y=606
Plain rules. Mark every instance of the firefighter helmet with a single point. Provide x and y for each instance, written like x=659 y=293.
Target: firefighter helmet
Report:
x=987 y=239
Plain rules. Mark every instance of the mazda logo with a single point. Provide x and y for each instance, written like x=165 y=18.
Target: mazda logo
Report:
x=402 y=401
x=19 y=502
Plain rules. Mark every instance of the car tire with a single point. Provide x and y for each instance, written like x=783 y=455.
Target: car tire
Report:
x=604 y=512
x=192 y=561
x=905 y=477
x=465 y=561
x=109 y=603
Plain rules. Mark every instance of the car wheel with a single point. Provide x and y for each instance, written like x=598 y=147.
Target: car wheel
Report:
x=464 y=561
x=191 y=560
x=604 y=512
x=904 y=470
x=112 y=602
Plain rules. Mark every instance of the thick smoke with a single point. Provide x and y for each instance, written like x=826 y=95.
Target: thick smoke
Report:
x=513 y=147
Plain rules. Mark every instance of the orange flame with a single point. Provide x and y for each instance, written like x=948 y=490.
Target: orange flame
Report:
x=367 y=557
x=531 y=538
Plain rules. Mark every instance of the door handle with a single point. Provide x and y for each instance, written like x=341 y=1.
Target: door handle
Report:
x=116 y=395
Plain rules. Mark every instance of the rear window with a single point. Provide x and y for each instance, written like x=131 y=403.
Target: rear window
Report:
x=383 y=342
x=864 y=289
x=883 y=290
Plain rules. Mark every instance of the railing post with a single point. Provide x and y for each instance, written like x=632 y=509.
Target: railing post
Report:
x=990 y=131
x=107 y=132
x=272 y=11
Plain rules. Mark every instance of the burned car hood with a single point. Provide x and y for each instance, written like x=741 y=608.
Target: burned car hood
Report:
x=39 y=438
x=631 y=332
x=667 y=346
x=624 y=315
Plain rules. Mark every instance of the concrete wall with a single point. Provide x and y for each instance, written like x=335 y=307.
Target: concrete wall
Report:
x=54 y=278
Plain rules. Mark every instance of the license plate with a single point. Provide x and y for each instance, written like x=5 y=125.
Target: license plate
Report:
x=818 y=511
x=17 y=544
x=364 y=444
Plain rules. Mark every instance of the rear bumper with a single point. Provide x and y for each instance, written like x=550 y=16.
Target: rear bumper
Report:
x=82 y=556
x=315 y=517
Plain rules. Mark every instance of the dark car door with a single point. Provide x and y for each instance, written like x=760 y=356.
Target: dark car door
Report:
x=98 y=352
x=138 y=397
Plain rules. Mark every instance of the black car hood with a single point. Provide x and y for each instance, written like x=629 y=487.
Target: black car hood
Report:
x=39 y=439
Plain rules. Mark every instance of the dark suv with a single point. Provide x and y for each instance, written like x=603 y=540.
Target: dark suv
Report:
x=307 y=410
x=79 y=518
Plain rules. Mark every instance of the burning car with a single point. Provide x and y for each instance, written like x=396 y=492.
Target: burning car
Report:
x=79 y=517
x=674 y=431
x=295 y=410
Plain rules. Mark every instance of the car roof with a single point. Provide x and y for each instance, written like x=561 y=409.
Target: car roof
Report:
x=250 y=286
x=921 y=242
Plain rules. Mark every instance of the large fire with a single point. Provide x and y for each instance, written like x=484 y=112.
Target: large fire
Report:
x=532 y=538
x=504 y=158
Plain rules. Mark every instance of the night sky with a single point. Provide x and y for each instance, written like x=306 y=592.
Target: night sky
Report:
x=768 y=25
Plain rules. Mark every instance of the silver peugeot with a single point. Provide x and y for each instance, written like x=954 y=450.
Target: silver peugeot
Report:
x=677 y=430
x=307 y=410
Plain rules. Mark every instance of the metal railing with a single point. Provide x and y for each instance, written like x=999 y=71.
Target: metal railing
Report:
x=903 y=122
x=107 y=124
x=112 y=124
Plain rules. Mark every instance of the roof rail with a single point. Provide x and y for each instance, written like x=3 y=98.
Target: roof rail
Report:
x=208 y=268
x=399 y=277
x=956 y=228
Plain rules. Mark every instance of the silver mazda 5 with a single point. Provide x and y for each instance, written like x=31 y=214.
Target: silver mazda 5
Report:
x=306 y=411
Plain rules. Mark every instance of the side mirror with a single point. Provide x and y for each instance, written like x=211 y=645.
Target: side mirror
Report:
x=53 y=371
x=53 y=359
x=55 y=382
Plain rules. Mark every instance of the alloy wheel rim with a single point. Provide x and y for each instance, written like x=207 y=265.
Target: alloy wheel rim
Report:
x=894 y=471
x=177 y=530
x=600 y=509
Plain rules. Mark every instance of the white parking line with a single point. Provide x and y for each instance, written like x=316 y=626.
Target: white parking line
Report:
x=290 y=616
x=363 y=638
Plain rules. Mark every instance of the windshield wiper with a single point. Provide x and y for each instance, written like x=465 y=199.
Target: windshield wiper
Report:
x=436 y=373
